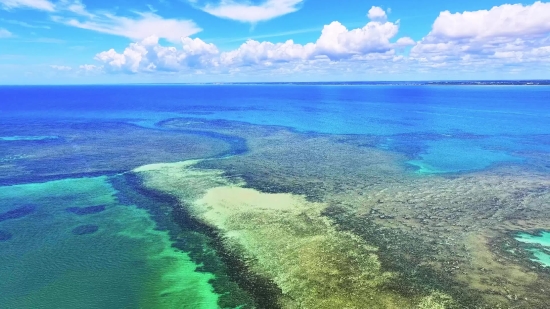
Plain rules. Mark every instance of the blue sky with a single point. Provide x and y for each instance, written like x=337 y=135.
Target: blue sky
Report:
x=123 y=41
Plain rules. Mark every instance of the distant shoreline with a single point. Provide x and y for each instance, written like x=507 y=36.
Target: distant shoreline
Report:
x=343 y=83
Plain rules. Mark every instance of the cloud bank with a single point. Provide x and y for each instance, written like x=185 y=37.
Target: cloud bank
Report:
x=505 y=34
x=335 y=43
x=504 y=38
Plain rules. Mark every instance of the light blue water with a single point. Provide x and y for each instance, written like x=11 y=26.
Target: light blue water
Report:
x=440 y=128
x=543 y=239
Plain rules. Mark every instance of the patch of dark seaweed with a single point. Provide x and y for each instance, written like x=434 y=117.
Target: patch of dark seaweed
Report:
x=405 y=255
x=5 y=236
x=21 y=180
x=85 y=229
x=18 y=212
x=82 y=211
x=237 y=144
x=312 y=190
x=234 y=282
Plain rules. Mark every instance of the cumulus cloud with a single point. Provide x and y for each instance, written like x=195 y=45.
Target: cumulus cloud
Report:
x=5 y=34
x=510 y=33
x=377 y=13
x=375 y=48
x=404 y=41
x=252 y=13
x=253 y=52
x=148 y=56
x=335 y=43
x=507 y=20
x=43 y=5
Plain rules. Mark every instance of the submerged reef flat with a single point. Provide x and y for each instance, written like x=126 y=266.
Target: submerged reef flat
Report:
x=449 y=233
x=95 y=148
x=286 y=239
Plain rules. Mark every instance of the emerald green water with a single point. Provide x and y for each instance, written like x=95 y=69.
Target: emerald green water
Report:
x=542 y=239
x=126 y=263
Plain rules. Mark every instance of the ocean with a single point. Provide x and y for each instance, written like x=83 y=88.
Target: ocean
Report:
x=78 y=231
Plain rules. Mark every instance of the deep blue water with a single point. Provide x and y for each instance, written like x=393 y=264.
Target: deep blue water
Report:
x=440 y=128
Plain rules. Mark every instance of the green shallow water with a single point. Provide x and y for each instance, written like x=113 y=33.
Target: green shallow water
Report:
x=542 y=239
x=125 y=264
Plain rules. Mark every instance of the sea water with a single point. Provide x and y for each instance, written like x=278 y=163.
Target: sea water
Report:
x=71 y=244
x=444 y=129
x=113 y=256
x=543 y=239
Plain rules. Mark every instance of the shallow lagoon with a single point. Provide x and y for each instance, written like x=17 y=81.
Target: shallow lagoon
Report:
x=115 y=258
x=543 y=239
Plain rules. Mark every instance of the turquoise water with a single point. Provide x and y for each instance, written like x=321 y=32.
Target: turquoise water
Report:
x=108 y=255
x=455 y=155
x=542 y=239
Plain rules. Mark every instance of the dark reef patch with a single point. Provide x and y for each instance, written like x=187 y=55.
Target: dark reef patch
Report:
x=406 y=255
x=85 y=229
x=237 y=286
x=18 y=212
x=102 y=147
x=82 y=211
x=5 y=236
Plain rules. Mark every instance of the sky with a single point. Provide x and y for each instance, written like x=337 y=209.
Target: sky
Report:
x=196 y=41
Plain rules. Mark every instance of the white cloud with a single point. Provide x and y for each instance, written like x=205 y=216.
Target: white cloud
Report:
x=377 y=13
x=143 y=26
x=250 y=13
x=43 y=5
x=507 y=20
x=90 y=68
x=336 y=43
x=61 y=67
x=5 y=34
x=500 y=36
x=138 y=27
x=404 y=41
x=253 y=52
x=374 y=48
x=148 y=55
